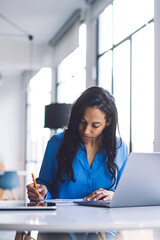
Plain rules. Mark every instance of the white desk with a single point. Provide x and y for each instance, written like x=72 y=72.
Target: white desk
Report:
x=73 y=218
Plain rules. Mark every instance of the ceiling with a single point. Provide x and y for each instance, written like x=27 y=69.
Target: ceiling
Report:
x=39 y=18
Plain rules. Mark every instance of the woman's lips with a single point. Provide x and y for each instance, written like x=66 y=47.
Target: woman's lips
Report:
x=85 y=137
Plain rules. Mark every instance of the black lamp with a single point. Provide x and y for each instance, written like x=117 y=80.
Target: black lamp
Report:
x=56 y=115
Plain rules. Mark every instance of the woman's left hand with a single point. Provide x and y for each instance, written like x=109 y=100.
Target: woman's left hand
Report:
x=100 y=194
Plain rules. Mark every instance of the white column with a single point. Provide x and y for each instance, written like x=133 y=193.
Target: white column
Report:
x=91 y=51
x=157 y=76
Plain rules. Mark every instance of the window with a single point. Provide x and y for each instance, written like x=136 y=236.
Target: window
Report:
x=39 y=95
x=126 y=67
x=71 y=80
x=121 y=87
x=143 y=90
x=130 y=16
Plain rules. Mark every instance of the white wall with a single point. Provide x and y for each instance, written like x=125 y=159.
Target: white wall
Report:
x=12 y=122
x=12 y=126
x=24 y=55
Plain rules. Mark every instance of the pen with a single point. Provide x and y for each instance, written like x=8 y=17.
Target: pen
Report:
x=35 y=184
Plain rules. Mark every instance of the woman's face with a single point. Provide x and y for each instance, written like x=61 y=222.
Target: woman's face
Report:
x=92 y=124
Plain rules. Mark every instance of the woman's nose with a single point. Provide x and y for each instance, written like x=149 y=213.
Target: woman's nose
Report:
x=87 y=129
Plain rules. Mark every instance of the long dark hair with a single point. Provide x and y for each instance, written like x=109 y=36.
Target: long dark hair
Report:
x=91 y=97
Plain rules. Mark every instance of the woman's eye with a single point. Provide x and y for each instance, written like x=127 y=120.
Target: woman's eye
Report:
x=95 y=126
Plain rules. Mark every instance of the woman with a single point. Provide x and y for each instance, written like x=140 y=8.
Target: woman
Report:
x=86 y=160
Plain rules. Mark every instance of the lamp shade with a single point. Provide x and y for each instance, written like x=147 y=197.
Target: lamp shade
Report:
x=56 y=115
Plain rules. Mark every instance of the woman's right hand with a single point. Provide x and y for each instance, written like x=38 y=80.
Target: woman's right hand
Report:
x=33 y=192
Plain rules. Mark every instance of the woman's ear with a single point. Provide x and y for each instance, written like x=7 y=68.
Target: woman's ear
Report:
x=108 y=122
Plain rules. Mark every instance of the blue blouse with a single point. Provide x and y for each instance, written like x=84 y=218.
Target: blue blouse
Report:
x=88 y=179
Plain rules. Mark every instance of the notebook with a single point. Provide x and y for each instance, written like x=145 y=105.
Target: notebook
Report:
x=22 y=205
x=139 y=184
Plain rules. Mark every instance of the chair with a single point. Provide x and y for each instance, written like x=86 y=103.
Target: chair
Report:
x=8 y=182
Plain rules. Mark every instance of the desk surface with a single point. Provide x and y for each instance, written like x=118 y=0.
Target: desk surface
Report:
x=73 y=218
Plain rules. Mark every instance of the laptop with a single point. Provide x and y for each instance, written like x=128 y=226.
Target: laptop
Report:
x=25 y=206
x=139 y=184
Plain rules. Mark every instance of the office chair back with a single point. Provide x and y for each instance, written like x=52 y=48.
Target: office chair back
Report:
x=9 y=180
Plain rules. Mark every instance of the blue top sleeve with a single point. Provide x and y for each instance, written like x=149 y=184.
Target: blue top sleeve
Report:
x=47 y=175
